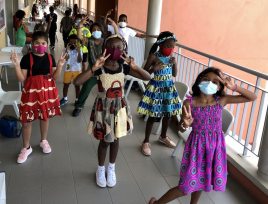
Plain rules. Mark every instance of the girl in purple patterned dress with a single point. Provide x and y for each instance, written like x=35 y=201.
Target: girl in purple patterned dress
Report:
x=204 y=162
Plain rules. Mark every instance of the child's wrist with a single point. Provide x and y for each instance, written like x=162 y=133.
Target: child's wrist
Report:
x=234 y=88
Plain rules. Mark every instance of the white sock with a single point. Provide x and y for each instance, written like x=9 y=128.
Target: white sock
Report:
x=101 y=168
x=111 y=166
x=65 y=98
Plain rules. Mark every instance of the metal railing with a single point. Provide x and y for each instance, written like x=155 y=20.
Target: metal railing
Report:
x=249 y=117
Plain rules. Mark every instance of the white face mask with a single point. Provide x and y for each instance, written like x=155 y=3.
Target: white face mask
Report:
x=122 y=24
x=96 y=34
x=208 y=87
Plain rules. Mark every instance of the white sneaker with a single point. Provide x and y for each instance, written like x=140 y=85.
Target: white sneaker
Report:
x=111 y=177
x=100 y=177
x=24 y=153
x=45 y=146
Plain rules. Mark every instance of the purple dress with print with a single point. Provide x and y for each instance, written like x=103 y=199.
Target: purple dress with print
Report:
x=204 y=162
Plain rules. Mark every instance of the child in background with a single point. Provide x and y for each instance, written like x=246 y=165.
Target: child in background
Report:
x=110 y=117
x=72 y=67
x=160 y=100
x=95 y=44
x=66 y=26
x=204 y=162
x=39 y=98
x=53 y=26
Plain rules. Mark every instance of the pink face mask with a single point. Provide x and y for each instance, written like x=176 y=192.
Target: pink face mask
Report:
x=115 y=53
x=39 y=49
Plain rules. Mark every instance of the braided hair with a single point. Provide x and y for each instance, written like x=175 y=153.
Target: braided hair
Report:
x=163 y=36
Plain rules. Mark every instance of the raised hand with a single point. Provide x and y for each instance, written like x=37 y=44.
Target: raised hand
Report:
x=129 y=60
x=187 y=116
x=172 y=60
x=62 y=59
x=158 y=66
x=109 y=12
x=227 y=81
x=100 y=61
x=14 y=58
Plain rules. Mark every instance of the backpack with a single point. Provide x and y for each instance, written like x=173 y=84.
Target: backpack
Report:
x=10 y=127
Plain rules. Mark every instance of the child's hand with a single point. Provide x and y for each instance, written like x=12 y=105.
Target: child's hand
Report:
x=14 y=58
x=187 y=118
x=172 y=60
x=129 y=60
x=111 y=21
x=100 y=61
x=109 y=12
x=227 y=81
x=158 y=66
x=62 y=59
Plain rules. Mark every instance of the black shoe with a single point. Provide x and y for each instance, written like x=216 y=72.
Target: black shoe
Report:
x=76 y=112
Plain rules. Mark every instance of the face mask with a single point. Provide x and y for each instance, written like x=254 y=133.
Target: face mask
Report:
x=166 y=51
x=39 y=49
x=122 y=24
x=115 y=53
x=208 y=88
x=96 y=34
x=72 y=47
x=77 y=22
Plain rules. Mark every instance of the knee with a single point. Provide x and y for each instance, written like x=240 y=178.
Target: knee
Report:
x=103 y=144
x=26 y=125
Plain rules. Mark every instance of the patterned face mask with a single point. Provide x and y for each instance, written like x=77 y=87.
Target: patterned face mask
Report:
x=115 y=53
x=208 y=87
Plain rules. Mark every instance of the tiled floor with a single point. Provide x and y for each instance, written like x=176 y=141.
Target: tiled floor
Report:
x=67 y=175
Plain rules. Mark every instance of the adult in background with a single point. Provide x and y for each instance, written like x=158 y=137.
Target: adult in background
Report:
x=66 y=26
x=53 y=26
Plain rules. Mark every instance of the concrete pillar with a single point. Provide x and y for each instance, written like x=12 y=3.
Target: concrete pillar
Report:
x=263 y=159
x=153 y=23
x=80 y=5
x=70 y=3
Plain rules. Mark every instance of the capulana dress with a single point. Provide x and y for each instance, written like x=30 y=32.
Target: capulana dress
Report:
x=110 y=118
x=161 y=98
x=40 y=98
x=204 y=162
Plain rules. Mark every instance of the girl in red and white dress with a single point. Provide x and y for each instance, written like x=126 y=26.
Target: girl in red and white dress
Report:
x=39 y=100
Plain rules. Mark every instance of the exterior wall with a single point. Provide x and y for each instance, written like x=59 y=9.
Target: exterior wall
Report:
x=234 y=30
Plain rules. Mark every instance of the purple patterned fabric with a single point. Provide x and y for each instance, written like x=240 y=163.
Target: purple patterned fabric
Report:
x=204 y=162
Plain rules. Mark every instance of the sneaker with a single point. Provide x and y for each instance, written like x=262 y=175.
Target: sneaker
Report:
x=76 y=112
x=167 y=141
x=24 y=153
x=111 y=177
x=63 y=101
x=45 y=146
x=100 y=177
x=146 y=149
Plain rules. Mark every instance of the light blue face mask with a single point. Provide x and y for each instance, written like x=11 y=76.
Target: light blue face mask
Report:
x=208 y=87
x=96 y=34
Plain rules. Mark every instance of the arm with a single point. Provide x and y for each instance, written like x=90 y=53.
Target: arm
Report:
x=174 y=66
x=186 y=117
x=20 y=73
x=149 y=62
x=137 y=71
x=244 y=94
x=79 y=56
x=114 y=25
x=60 y=64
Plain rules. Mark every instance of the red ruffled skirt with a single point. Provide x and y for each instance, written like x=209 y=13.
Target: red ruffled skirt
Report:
x=40 y=99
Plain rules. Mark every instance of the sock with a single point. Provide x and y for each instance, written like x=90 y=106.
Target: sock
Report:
x=111 y=165
x=65 y=98
x=101 y=168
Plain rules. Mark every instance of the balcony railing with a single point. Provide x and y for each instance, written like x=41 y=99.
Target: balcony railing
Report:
x=249 y=118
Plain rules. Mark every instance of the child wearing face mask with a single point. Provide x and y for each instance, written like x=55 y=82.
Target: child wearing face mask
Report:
x=160 y=99
x=95 y=44
x=110 y=118
x=204 y=162
x=72 y=66
x=39 y=100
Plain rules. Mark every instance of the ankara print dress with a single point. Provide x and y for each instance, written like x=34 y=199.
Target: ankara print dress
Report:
x=204 y=162
x=161 y=98
x=40 y=98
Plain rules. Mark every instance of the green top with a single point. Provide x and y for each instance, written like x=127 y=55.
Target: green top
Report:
x=94 y=51
x=20 y=37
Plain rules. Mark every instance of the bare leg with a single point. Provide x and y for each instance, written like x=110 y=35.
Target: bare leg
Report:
x=44 y=129
x=170 y=195
x=77 y=91
x=114 y=146
x=165 y=121
x=149 y=126
x=26 y=134
x=102 y=149
x=65 y=89
x=195 y=197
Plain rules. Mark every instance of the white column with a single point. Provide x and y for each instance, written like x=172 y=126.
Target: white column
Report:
x=80 y=5
x=153 y=23
x=263 y=159
x=70 y=2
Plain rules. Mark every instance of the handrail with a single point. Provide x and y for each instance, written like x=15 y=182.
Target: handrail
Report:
x=242 y=68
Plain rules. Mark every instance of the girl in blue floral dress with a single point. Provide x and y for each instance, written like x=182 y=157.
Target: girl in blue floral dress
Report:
x=204 y=161
x=160 y=100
